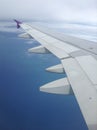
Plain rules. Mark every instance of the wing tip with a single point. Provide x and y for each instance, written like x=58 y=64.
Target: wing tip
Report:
x=18 y=23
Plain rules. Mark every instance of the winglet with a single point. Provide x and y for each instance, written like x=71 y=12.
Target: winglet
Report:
x=18 y=23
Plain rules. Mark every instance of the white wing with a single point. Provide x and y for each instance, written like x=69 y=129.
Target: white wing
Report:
x=79 y=61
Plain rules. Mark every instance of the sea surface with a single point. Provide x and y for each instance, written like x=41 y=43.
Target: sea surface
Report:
x=22 y=105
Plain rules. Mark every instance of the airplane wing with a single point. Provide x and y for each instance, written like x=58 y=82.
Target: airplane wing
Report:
x=78 y=60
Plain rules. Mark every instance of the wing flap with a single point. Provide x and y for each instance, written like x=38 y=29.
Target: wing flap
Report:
x=89 y=65
x=84 y=90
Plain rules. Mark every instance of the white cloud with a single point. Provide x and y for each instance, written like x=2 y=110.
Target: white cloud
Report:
x=88 y=32
x=7 y=27
x=77 y=10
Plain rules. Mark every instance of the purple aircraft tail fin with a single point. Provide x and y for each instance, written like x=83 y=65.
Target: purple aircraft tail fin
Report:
x=18 y=23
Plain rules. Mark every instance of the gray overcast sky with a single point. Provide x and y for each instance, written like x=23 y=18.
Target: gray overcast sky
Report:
x=77 y=10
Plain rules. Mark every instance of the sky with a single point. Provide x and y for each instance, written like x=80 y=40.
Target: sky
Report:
x=57 y=10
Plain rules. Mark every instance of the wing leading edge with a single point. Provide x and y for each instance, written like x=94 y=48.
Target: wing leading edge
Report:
x=80 y=65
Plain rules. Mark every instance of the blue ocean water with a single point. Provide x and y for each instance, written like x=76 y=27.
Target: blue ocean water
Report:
x=22 y=105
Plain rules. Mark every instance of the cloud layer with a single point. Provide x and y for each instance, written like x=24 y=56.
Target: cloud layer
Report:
x=76 y=10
